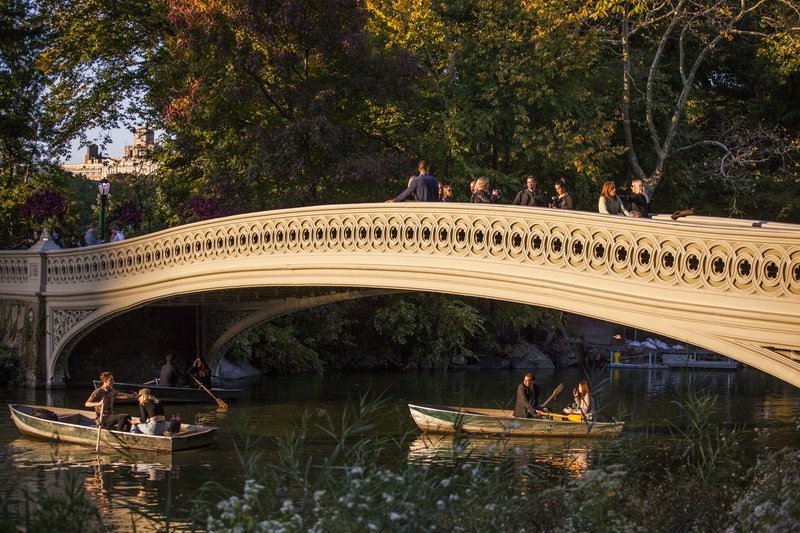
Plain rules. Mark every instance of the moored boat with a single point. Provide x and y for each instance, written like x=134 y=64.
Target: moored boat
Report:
x=481 y=421
x=78 y=427
x=175 y=394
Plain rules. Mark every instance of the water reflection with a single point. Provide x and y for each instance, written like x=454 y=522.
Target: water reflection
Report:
x=210 y=418
x=565 y=455
x=29 y=452
x=124 y=485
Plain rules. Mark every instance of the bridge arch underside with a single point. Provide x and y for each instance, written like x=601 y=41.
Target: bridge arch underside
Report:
x=756 y=331
x=198 y=323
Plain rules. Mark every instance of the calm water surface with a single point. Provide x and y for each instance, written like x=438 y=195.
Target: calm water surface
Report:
x=129 y=488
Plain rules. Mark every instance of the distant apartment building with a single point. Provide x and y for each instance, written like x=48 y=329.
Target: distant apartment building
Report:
x=136 y=160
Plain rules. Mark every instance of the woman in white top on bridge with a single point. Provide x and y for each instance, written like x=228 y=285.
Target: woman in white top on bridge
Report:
x=609 y=202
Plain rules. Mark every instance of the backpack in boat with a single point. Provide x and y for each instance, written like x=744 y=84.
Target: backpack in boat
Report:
x=46 y=414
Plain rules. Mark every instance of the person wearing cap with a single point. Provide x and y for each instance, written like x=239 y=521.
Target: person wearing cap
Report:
x=151 y=414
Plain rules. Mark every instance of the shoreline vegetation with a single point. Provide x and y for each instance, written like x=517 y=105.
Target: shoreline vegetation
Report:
x=702 y=478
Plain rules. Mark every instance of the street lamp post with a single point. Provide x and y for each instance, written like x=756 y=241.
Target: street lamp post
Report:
x=103 y=187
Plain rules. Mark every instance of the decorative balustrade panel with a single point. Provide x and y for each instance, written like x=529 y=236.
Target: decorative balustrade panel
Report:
x=740 y=260
x=14 y=268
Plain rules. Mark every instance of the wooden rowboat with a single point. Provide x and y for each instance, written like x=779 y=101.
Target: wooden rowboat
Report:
x=480 y=421
x=79 y=427
x=174 y=394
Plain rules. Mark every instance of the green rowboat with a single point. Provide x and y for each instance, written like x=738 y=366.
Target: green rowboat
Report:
x=79 y=427
x=480 y=421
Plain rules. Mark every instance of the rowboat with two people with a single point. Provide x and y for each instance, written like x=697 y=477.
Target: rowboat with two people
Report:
x=177 y=394
x=482 y=421
x=79 y=427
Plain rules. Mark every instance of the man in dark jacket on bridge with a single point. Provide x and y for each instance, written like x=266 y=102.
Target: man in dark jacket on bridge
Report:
x=530 y=195
x=424 y=188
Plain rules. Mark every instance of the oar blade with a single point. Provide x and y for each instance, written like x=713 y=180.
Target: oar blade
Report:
x=556 y=392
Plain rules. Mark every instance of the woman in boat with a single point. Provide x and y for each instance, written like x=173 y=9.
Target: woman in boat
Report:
x=585 y=404
x=102 y=400
x=151 y=414
x=527 y=397
x=200 y=371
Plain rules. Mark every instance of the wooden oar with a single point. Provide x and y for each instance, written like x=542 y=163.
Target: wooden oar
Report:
x=222 y=405
x=556 y=392
x=99 y=425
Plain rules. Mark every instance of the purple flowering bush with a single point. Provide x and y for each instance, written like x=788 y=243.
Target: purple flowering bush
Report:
x=44 y=205
x=127 y=214
x=198 y=208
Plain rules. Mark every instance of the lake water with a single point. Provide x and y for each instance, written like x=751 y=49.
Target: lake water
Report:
x=146 y=488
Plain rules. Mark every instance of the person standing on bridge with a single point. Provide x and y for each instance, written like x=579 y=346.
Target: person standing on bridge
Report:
x=563 y=198
x=447 y=193
x=482 y=194
x=116 y=234
x=637 y=202
x=609 y=203
x=530 y=195
x=424 y=188
x=88 y=238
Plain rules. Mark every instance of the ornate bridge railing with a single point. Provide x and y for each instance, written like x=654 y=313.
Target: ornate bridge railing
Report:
x=744 y=270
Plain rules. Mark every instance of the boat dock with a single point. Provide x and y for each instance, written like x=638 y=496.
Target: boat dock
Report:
x=670 y=360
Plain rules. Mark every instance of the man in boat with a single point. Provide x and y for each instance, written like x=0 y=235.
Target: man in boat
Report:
x=169 y=374
x=102 y=400
x=527 y=397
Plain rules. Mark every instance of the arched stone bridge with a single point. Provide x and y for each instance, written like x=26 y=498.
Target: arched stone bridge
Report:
x=730 y=286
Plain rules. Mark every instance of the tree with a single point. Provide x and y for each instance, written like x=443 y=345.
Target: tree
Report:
x=99 y=60
x=21 y=86
x=673 y=69
x=281 y=104
x=518 y=87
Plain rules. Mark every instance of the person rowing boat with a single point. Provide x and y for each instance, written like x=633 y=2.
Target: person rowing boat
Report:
x=102 y=400
x=527 y=397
